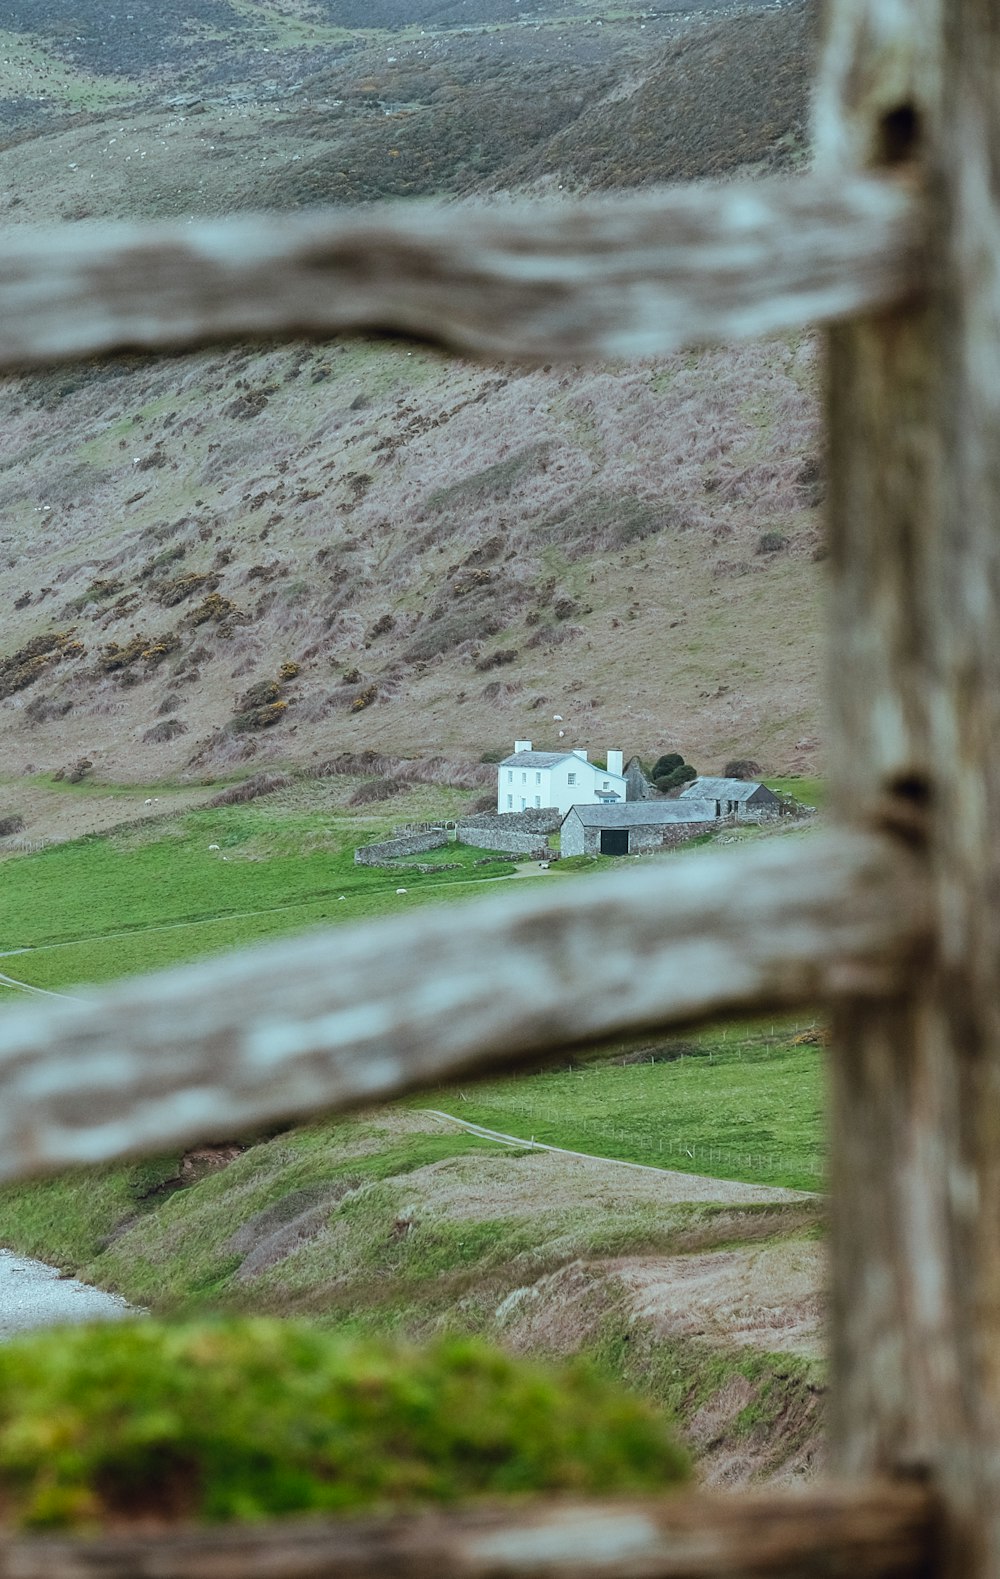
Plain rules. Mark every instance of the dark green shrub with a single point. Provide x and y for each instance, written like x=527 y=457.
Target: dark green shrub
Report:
x=75 y=773
x=115 y=658
x=216 y=608
x=23 y=667
x=251 y=789
x=41 y=708
x=182 y=587
x=496 y=660
x=98 y=592
x=379 y=790
x=771 y=543
x=666 y=764
x=674 y=779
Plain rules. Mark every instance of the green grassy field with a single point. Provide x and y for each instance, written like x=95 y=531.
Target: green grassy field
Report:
x=808 y=791
x=103 y=907
x=743 y=1104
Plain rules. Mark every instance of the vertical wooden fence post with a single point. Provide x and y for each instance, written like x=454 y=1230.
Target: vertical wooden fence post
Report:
x=914 y=430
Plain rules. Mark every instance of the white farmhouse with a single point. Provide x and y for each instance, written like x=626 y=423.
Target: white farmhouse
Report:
x=531 y=779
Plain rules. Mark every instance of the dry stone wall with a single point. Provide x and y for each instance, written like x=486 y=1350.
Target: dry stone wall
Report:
x=536 y=819
x=387 y=851
x=507 y=841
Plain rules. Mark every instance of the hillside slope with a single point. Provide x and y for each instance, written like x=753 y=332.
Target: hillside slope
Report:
x=282 y=554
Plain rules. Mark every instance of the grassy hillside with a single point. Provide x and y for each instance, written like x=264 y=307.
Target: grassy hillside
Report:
x=388 y=1224
x=739 y=1102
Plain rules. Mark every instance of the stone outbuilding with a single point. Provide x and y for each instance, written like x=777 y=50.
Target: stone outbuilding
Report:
x=637 y=785
x=739 y=798
x=633 y=827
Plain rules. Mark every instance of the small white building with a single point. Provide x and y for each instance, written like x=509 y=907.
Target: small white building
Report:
x=532 y=779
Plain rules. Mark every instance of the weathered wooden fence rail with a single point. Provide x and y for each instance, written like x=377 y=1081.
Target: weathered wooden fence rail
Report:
x=873 y=1532
x=894 y=921
x=606 y=278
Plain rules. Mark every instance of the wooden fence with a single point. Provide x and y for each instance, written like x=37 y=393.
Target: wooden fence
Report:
x=893 y=919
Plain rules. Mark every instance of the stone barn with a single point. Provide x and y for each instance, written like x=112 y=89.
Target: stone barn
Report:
x=633 y=828
x=739 y=798
x=637 y=785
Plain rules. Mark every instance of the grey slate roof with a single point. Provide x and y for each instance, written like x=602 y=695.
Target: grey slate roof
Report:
x=535 y=759
x=548 y=759
x=643 y=813
x=722 y=789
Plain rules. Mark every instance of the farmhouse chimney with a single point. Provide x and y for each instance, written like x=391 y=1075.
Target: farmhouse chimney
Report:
x=581 y=752
x=522 y=745
x=616 y=761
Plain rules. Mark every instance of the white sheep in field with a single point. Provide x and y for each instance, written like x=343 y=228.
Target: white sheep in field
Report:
x=401 y=890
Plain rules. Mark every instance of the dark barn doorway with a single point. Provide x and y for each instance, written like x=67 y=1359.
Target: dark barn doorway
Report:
x=614 y=841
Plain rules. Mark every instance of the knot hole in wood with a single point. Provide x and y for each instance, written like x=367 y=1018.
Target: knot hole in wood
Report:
x=899 y=135
x=904 y=808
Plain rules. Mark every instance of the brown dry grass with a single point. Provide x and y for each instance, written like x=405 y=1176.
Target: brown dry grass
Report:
x=667 y=646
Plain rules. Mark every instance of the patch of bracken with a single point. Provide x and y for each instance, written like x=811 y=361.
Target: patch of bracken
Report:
x=23 y=668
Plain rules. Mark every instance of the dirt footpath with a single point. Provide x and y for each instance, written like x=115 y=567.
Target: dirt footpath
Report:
x=33 y=1295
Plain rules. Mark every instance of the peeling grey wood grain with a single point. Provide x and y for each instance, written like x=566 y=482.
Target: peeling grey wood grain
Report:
x=874 y=58
x=624 y=277
x=876 y=1532
x=914 y=502
x=336 y=1019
